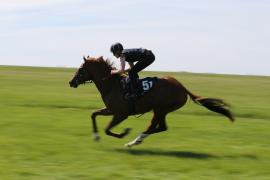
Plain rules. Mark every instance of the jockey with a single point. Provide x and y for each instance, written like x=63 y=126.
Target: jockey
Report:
x=143 y=57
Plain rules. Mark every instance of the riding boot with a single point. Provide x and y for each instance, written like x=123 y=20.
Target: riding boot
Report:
x=135 y=91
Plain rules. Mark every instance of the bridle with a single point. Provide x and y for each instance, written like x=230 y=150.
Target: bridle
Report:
x=98 y=81
x=81 y=78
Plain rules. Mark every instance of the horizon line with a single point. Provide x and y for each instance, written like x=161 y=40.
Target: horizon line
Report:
x=162 y=71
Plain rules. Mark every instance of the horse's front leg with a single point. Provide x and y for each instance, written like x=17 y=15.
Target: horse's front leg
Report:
x=104 y=112
x=115 y=121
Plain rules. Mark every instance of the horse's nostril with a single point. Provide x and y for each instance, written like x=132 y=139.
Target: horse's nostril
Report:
x=71 y=84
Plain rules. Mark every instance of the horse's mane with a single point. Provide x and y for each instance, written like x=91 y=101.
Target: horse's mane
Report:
x=107 y=62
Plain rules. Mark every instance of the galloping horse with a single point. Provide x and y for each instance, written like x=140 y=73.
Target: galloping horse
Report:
x=168 y=95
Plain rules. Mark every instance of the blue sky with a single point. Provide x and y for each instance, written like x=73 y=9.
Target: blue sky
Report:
x=213 y=36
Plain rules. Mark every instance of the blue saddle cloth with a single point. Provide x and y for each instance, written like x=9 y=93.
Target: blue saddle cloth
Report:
x=145 y=85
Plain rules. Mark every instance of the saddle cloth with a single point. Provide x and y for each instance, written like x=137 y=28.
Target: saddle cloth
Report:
x=145 y=85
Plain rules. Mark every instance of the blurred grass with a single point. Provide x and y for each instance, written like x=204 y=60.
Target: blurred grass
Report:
x=45 y=131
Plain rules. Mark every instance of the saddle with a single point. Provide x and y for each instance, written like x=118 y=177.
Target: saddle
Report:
x=145 y=85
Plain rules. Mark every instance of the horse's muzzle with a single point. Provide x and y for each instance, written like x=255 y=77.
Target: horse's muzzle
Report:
x=73 y=84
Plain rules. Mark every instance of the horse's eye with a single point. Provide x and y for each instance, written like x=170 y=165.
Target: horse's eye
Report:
x=81 y=71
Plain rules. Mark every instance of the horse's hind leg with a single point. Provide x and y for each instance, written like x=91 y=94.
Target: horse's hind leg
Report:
x=158 y=124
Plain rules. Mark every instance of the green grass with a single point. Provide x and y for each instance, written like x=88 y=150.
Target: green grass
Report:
x=45 y=131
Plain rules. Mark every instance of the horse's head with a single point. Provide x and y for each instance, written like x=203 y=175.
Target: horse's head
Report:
x=81 y=76
x=93 y=69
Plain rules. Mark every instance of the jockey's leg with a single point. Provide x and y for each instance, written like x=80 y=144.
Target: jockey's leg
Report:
x=140 y=65
x=115 y=121
x=135 y=90
x=133 y=76
x=148 y=59
x=104 y=112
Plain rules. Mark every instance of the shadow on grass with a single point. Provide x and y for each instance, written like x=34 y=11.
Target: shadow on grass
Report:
x=183 y=154
x=177 y=154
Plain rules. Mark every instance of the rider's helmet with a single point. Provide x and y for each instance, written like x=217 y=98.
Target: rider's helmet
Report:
x=116 y=47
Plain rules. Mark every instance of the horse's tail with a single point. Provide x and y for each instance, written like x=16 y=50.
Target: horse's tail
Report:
x=213 y=104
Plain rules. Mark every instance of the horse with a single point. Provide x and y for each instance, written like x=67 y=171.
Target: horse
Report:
x=167 y=96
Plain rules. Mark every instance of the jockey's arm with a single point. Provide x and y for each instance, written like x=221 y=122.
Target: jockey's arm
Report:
x=131 y=64
x=122 y=67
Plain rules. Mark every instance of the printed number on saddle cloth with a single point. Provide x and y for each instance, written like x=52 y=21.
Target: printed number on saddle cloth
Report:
x=147 y=85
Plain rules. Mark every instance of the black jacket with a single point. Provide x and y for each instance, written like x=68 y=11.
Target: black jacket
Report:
x=133 y=55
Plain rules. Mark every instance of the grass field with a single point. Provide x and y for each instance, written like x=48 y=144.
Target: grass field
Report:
x=45 y=131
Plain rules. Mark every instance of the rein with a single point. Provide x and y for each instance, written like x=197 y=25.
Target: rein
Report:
x=138 y=116
x=103 y=79
x=107 y=78
x=88 y=82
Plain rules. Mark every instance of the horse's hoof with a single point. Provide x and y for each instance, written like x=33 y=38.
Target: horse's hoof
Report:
x=125 y=132
x=128 y=145
x=96 y=137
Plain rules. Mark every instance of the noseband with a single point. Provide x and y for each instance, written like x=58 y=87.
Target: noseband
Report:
x=98 y=81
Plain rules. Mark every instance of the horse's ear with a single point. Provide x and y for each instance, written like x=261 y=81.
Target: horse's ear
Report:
x=100 y=58
x=84 y=58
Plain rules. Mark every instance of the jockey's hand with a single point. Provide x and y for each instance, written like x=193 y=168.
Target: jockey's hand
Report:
x=115 y=71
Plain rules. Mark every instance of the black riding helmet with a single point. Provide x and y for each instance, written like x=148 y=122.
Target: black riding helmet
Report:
x=116 y=47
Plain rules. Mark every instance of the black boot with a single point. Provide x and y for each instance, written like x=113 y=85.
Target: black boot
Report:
x=135 y=90
x=134 y=95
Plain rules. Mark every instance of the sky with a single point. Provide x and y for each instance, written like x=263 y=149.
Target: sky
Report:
x=202 y=36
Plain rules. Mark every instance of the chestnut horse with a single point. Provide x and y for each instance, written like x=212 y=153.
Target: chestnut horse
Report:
x=168 y=95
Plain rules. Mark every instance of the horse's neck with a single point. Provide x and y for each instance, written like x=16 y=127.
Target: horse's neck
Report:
x=105 y=86
x=104 y=81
